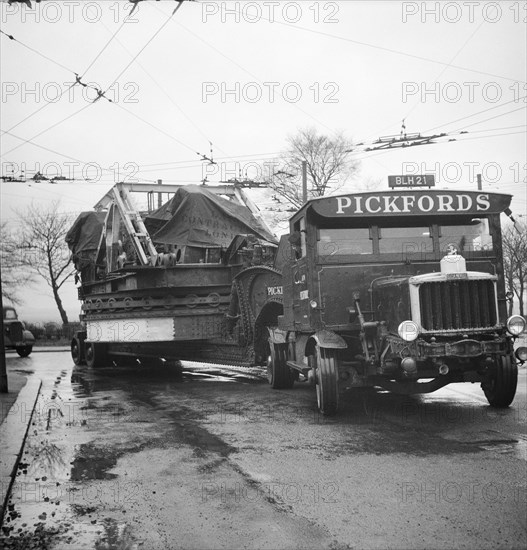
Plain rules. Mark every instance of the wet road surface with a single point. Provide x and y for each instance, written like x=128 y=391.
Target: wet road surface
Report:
x=138 y=458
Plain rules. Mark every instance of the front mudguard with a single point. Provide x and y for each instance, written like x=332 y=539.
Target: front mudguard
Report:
x=28 y=338
x=277 y=335
x=328 y=339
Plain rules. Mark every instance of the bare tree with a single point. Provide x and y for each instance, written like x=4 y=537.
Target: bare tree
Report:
x=515 y=262
x=14 y=277
x=329 y=166
x=46 y=253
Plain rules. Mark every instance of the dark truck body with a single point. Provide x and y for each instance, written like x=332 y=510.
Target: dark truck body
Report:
x=394 y=288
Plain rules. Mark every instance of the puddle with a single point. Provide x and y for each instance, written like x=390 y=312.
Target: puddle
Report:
x=92 y=462
x=116 y=535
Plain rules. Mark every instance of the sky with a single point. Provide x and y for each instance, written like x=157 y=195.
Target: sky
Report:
x=232 y=80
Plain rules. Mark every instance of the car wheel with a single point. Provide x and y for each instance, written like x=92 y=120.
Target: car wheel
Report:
x=24 y=351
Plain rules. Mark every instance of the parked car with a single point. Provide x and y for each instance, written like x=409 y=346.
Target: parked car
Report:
x=16 y=336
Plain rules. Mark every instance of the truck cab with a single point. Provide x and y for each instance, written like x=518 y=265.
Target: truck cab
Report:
x=391 y=288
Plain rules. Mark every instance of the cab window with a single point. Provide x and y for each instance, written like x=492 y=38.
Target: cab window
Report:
x=473 y=237
x=334 y=242
x=9 y=314
x=405 y=240
x=298 y=239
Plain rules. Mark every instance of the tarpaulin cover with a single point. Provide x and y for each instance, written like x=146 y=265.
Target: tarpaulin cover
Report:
x=196 y=217
x=85 y=234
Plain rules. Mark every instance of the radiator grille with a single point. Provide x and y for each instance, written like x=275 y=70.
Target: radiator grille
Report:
x=14 y=331
x=457 y=305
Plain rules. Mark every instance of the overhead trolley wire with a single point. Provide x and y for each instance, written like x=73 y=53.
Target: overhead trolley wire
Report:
x=391 y=50
x=54 y=151
x=492 y=117
x=77 y=80
x=156 y=82
x=104 y=47
x=11 y=37
x=477 y=113
x=49 y=128
x=145 y=46
x=250 y=73
x=100 y=92
x=156 y=127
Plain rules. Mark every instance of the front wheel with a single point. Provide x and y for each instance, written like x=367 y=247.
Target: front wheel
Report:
x=327 y=376
x=279 y=375
x=24 y=351
x=96 y=355
x=501 y=387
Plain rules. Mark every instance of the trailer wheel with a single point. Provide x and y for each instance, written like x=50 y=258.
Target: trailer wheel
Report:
x=96 y=355
x=77 y=352
x=327 y=375
x=280 y=376
x=501 y=387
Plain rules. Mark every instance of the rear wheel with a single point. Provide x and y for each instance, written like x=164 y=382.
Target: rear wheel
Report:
x=24 y=351
x=327 y=375
x=96 y=355
x=76 y=351
x=501 y=387
x=280 y=376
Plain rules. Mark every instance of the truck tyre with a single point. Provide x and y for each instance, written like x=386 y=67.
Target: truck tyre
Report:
x=280 y=376
x=77 y=351
x=24 y=351
x=327 y=375
x=501 y=387
x=96 y=355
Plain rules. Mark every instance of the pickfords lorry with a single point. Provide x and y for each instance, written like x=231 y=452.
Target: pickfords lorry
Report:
x=400 y=289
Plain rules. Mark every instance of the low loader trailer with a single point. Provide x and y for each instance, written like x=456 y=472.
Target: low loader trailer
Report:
x=189 y=280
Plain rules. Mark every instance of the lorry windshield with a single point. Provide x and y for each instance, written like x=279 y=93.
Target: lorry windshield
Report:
x=333 y=242
x=473 y=237
x=406 y=240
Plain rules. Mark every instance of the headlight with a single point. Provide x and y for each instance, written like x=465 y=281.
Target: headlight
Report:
x=516 y=325
x=408 y=330
x=521 y=354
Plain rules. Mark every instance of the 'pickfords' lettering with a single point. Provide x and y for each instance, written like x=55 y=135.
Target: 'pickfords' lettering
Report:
x=445 y=202
x=274 y=290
